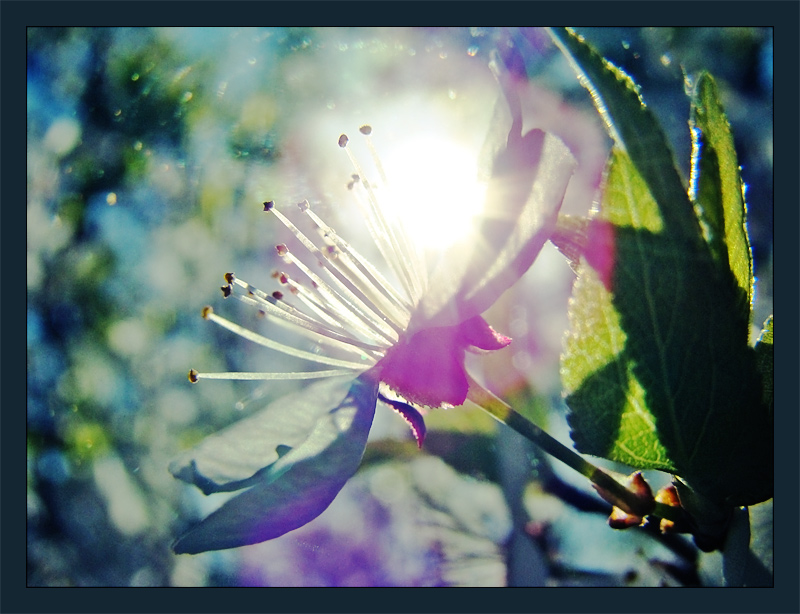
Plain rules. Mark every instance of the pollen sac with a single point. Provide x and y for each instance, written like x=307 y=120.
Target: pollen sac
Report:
x=207 y=311
x=303 y=206
x=226 y=291
x=278 y=295
x=268 y=205
x=282 y=250
x=193 y=376
x=229 y=277
x=366 y=130
x=353 y=181
x=343 y=140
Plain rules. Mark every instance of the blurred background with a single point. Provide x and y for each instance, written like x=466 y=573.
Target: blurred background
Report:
x=149 y=154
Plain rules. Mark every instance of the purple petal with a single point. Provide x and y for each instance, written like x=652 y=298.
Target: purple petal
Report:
x=427 y=368
x=411 y=415
x=236 y=456
x=529 y=179
x=477 y=333
x=298 y=486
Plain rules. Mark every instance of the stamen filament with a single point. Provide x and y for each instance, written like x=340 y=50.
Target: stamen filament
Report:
x=280 y=347
x=283 y=311
x=313 y=330
x=366 y=273
x=376 y=325
x=342 y=281
x=244 y=375
x=385 y=238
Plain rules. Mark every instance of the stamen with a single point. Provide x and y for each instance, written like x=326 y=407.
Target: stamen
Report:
x=353 y=294
x=394 y=246
x=315 y=331
x=349 y=305
x=194 y=376
x=283 y=311
x=366 y=272
x=280 y=347
x=312 y=302
x=367 y=131
x=418 y=265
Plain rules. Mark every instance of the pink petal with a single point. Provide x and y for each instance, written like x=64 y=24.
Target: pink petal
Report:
x=428 y=369
x=477 y=333
x=411 y=415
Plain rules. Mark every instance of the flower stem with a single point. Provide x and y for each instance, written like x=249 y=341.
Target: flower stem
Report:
x=504 y=413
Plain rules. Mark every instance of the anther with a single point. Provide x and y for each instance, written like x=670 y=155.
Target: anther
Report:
x=268 y=205
x=366 y=130
x=303 y=205
x=282 y=249
x=226 y=291
x=277 y=295
x=207 y=311
x=193 y=376
x=230 y=277
x=343 y=141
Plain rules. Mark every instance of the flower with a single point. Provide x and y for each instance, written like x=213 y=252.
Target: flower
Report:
x=402 y=345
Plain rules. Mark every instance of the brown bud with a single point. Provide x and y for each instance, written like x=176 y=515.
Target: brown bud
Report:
x=621 y=520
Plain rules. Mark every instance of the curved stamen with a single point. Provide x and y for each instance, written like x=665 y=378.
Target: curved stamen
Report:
x=283 y=311
x=365 y=272
x=194 y=376
x=347 y=304
x=394 y=246
x=352 y=292
x=209 y=314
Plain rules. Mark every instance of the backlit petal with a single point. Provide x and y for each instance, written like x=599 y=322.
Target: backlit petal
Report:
x=301 y=483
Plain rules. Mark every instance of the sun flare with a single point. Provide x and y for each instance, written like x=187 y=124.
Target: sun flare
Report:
x=435 y=189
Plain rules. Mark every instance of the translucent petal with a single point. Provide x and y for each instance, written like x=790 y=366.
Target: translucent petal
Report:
x=303 y=480
x=529 y=181
x=230 y=458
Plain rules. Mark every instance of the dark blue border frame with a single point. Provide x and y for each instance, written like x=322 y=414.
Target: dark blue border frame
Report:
x=15 y=15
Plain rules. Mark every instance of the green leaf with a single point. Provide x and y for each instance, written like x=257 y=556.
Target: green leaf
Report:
x=657 y=369
x=634 y=129
x=609 y=416
x=764 y=360
x=299 y=484
x=717 y=185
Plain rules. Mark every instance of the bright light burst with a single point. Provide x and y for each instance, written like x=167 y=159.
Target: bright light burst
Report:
x=434 y=189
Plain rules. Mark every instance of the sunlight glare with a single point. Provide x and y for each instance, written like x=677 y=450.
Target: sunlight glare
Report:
x=435 y=188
